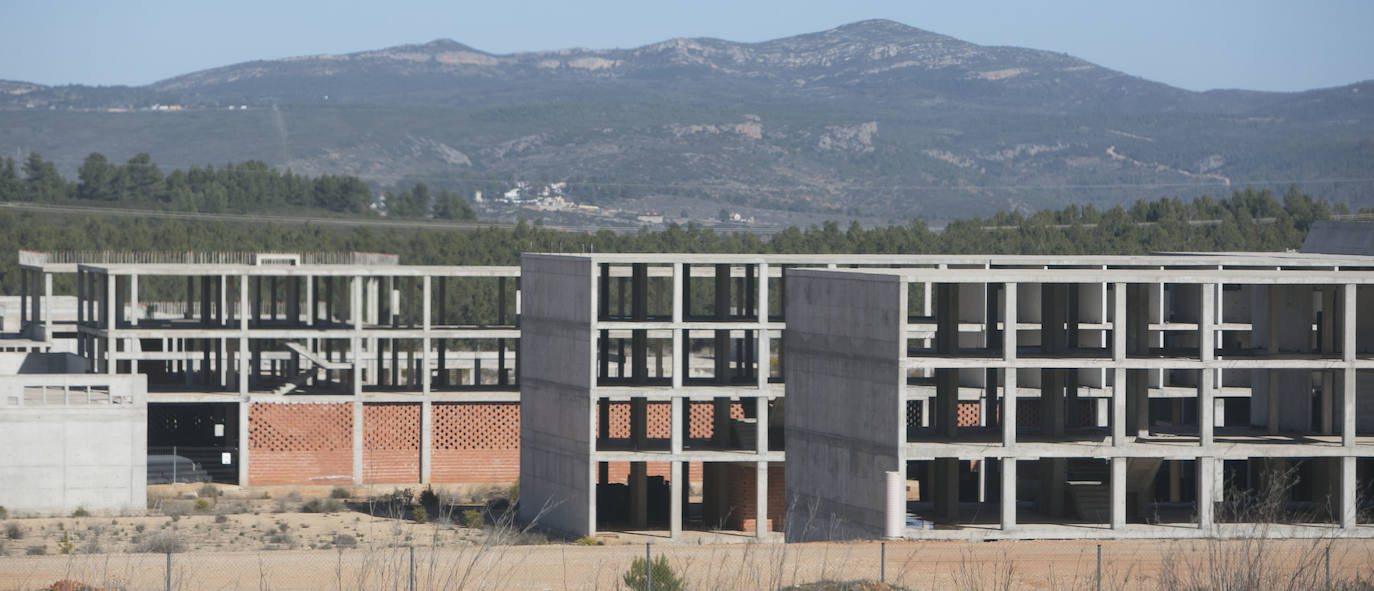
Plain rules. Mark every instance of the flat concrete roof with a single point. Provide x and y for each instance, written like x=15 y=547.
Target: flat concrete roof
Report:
x=1177 y=259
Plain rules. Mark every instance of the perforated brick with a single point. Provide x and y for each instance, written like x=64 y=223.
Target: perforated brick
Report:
x=967 y=414
x=391 y=443
x=475 y=442
x=300 y=443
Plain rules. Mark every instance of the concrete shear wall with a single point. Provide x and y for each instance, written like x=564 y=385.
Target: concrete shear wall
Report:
x=555 y=393
x=845 y=417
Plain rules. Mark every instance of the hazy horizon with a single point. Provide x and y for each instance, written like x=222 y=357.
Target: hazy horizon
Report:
x=1267 y=45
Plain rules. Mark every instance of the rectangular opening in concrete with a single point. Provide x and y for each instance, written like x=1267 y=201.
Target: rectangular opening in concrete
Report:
x=638 y=357
x=951 y=491
x=720 y=357
x=206 y=435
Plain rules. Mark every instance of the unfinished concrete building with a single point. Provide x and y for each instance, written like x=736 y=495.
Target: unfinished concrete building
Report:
x=283 y=368
x=1162 y=396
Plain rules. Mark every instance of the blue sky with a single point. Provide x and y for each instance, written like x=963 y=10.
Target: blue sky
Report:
x=1197 y=44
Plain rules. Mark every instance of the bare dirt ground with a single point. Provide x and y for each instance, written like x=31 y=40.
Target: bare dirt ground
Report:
x=245 y=539
x=914 y=565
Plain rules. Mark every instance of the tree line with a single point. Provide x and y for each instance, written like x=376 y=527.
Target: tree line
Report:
x=250 y=186
x=1248 y=220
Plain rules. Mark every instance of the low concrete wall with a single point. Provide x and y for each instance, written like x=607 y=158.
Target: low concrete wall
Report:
x=844 y=416
x=69 y=441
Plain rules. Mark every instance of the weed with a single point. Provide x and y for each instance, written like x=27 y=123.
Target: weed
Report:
x=588 y=541
x=473 y=519
x=345 y=541
x=208 y=491
x=81 y=512
x=419 y=514
x=64 y=545
x=202 y=505
x=36 y=550
x=140 y=527
x=322 y=506
x=14 y=532
x=4 y=513
x=161 y=543
x=339 y=492
x=221 y=518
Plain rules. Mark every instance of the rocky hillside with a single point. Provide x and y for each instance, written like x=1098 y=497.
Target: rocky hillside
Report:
x=873 y=118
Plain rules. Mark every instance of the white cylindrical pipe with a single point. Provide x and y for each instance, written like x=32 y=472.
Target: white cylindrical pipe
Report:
x=896 y=505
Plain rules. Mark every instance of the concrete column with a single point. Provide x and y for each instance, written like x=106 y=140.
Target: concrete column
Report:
x=1271 y=375
x=1119 y=406
x=677 y=473
x=639 y=495
x=1008 y=494
x=1118 y=498
x=1009 y=388
x=426 y=440
x=23 y=300
x=355 y=317
x=1009 y=384
x=947 y=343
x=311 y=308
x=1206 y=410
x=243 y=443
x=357 y=442
x=133 y=299
x=761 y=499
x=243 y=335
x=680 y=355
x=47 y=307
x=1349 y=492
x=947 y=489
x=425 y=342
x=1327 y=346
x=1206 y=495
x=111 y=301
x=1349 y=331
x=764 y=362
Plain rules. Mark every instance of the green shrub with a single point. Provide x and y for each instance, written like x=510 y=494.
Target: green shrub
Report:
x=81 y=512
x=339 y=492
x=208 y=491
x=473 y=519
x=202 y=504
x=419 y=514
x=4 y=513
x=345 y=541
x=513 y=493
x=664 y=579
x=588 y=541
x=14 y=532
x=427 y=497
x=221 y=518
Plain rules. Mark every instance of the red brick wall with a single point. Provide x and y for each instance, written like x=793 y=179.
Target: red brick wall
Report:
x=740 y=496
x=391 y=443
x=300 y=443
x=475 y=442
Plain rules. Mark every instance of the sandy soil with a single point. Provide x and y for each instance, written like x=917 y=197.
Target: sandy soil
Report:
x=914 y=565
x=238 y=540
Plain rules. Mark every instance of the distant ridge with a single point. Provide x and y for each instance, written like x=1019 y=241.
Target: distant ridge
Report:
x=870 y=118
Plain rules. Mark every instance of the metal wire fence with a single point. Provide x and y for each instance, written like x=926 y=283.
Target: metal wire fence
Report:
x=943 y=565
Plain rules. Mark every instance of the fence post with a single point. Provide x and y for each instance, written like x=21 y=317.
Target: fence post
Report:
x=1328 y=567
x=882 y=562
x=174 y=464
x=1099 y=567
x=412 y=568
x=169 y=571
x=648 y=569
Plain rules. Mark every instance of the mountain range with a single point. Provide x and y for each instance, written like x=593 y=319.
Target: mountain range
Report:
x=873 y=118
